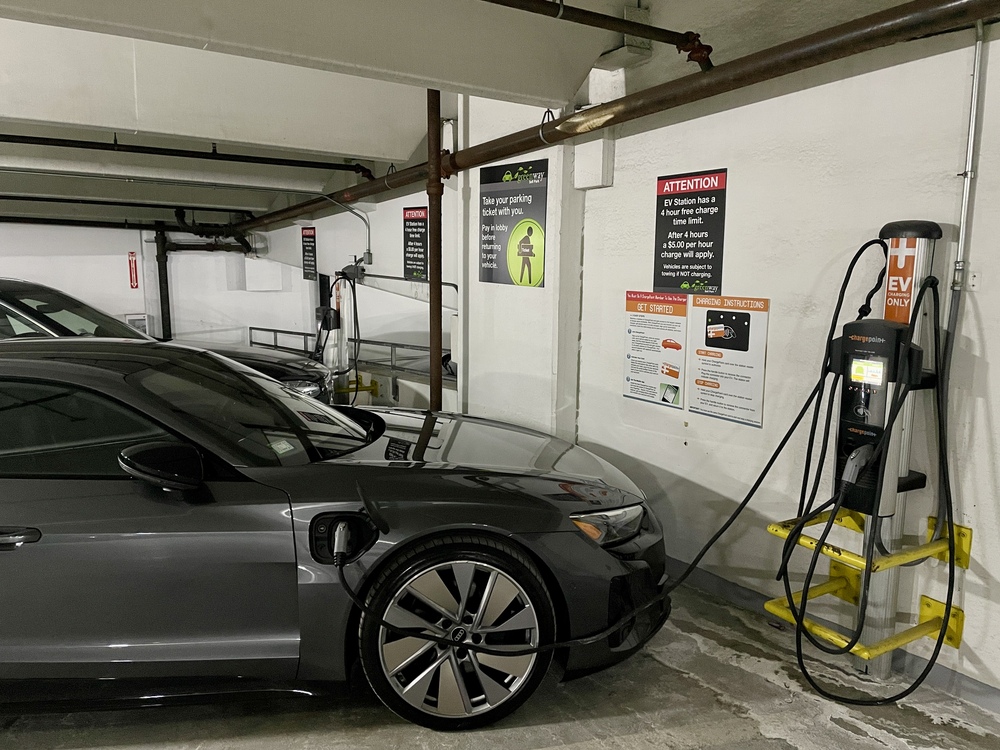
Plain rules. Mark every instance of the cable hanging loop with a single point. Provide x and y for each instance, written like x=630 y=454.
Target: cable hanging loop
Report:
x=547 y=117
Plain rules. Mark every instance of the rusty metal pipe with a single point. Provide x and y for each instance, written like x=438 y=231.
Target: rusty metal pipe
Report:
x=391 y=181
x=435 y=191
x=898 y=24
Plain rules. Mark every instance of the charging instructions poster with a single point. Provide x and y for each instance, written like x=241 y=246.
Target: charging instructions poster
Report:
x=512 y=201
x=655 y=341
x=690 y=229
x=727 y=341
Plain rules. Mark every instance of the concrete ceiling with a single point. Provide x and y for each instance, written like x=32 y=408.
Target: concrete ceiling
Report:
x=335 y=80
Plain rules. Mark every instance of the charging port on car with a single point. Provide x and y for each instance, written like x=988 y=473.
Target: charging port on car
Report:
x=361 y=535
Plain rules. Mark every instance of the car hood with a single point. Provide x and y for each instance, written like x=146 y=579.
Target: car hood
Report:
x=261 y=358
x=494 y=450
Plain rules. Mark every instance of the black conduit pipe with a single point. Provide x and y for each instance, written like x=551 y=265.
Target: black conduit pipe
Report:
x=686 y=41
x=435 y=190
x=183 y=153
x=163 y=282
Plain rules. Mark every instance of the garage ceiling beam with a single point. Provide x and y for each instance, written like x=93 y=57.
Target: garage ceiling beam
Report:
x=183 y=153
x=123 y=204
x=92 y=223
x=898 y=24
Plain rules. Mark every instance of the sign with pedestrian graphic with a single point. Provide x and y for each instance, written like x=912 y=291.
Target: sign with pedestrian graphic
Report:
x=512 y=200
x=690 y=229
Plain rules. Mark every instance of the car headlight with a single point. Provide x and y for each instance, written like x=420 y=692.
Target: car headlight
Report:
x=305 y=387
x=609 y=527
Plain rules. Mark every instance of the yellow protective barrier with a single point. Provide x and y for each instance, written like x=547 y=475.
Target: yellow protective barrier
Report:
x=931 y=620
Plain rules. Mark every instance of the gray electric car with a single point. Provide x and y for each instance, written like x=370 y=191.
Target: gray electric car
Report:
x=167 y=513
x=29 y=309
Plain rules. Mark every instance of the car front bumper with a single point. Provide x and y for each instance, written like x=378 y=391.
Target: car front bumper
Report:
x=600 y=587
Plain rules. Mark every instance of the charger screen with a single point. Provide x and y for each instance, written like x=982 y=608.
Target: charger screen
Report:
x=868 y=371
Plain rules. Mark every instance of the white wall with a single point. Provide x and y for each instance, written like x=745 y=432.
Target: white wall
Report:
x=210 y=302
x=815 y=169
x=90 y=264
x=522 y=342
x=207 y=290
x=402 y=316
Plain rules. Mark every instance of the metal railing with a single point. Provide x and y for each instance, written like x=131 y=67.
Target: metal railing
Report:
x=395 y=363
x=274 y=333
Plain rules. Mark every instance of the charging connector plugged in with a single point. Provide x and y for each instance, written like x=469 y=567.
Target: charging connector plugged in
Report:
x=856 y=462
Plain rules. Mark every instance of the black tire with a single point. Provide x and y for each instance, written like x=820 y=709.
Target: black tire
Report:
x=505 y=603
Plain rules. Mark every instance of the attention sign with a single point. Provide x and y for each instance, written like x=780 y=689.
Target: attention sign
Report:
x=309 y=253
x=415 y=243
x=690 y=229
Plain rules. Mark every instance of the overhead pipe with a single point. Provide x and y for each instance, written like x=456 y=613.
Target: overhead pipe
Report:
x=901 y=23
x=212 y=230
x=183 y=153
x=897 y=24
x=391 y=181
x=435 y=191
x=686 y=41
x=205 y=247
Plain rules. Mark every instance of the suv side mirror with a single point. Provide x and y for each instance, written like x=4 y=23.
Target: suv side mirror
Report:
x=173 y=466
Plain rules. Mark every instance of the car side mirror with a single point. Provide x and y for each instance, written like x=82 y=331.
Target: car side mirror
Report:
x=173 y=466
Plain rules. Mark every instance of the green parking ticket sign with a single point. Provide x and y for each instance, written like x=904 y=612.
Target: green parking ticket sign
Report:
x=512 y=201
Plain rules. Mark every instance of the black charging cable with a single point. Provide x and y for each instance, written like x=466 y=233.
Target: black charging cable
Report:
x=815 y=395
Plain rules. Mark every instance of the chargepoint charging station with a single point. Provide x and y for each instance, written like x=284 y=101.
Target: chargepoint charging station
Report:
x=879 y=371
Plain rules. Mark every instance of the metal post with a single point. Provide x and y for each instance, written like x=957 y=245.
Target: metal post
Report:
x=435 y=189
x=911 y=249
x=163 y=281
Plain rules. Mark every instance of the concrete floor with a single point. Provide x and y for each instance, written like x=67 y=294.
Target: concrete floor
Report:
x=715 y=677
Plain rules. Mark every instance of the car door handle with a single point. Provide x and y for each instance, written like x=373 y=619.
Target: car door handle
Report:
x=14 y=538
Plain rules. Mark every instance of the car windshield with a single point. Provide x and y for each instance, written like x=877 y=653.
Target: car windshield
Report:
x=256 y=417
x=15 y=325
x=67 y=316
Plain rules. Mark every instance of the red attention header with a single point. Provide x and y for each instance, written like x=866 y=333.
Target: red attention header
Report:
x=308 y=231
x=691 y=184
x=414 y=213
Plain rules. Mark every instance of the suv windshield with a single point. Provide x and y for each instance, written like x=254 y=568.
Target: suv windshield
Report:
x=67 y=316
x=261 y=420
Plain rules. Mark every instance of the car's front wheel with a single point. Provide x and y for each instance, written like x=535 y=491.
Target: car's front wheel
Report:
x=472 y=591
